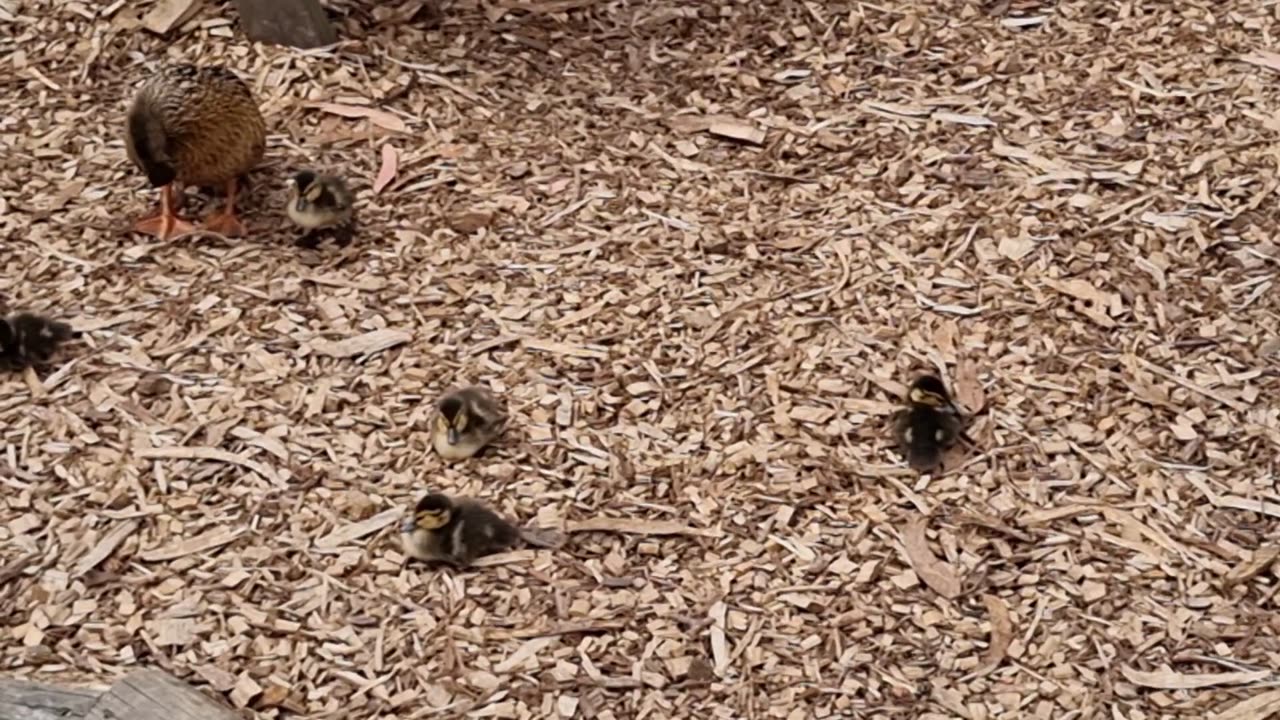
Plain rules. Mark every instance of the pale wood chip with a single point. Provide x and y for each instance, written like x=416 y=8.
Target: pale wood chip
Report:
x=638 y=527
x=366 y=344
x=207 y=541
x=355 y=531
x=1167 y=679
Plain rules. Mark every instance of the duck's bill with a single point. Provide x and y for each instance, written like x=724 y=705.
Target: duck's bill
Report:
x=454 y=437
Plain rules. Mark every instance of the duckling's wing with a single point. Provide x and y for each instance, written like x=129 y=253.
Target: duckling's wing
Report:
x=483 y=532
x=484 y=407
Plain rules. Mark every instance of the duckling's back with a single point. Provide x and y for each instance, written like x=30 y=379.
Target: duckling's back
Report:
x=196 y=125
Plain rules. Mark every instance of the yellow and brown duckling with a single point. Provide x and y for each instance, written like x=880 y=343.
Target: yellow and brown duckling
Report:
x=929 y=425
x=465 y=421
x=27 y=339
x=319 y=204
x=194 y=125
x=458 y=531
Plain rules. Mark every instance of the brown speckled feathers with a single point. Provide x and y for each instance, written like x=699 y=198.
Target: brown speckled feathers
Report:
x=196 y=125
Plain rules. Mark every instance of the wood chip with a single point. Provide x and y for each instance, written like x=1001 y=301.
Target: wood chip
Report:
x=104 y=547
x=1167 y=679
x=366 y=344
x=1262 y=706
x=355 y=531
x=207 y=541
x=737 y=131
x=638 y=527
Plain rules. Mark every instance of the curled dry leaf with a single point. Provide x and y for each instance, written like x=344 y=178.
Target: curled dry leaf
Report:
x=968 y=389
x=387 y=171
x=381 y=118
x=1167 y=679
x=1001 y=634
x=938 y=575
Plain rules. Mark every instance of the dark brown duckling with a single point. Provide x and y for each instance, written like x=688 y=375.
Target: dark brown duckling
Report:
x=321 y=203
x=929 y=426
x=458 y=531
x=27 y=339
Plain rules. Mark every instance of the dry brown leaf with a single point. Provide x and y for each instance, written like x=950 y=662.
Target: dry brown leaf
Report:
x=1001 y=634
x=370 y=342
x=938 y=575
x=639 y=527
x=1258 y=707
x=387 y=171
x=381 y=118
x=1167 y=679
x=968 y=389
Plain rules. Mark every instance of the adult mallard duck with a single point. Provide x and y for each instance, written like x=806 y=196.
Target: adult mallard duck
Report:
x=194 y=125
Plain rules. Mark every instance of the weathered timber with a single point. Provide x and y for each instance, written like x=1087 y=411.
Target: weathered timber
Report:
x=141 y=695
x=296 y=23
x=22 y=700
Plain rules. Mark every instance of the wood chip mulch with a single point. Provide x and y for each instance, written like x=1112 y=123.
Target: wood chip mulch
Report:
x=698 y=248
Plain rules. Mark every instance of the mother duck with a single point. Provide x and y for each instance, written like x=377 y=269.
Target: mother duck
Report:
x=194 y=125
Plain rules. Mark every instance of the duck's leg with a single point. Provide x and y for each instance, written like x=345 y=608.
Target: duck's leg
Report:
x=225 y=222
x=166 y=224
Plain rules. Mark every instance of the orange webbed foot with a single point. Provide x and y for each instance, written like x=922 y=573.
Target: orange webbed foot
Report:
x=225 y=224
x=165 y=227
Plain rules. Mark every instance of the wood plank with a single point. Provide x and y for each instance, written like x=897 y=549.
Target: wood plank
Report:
x=156 y=695
x=21 y=700
x=296 y=23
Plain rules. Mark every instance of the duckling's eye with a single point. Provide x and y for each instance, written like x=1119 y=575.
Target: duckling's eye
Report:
x=940 y=435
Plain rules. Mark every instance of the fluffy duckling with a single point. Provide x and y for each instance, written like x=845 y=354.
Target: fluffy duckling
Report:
x=320 y=203
x=457 y=531
x=930 y=424
x=28 y=339
x=194 y=125
x=466 y=420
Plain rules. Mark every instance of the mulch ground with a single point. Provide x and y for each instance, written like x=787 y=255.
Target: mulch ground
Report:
x=698 y=249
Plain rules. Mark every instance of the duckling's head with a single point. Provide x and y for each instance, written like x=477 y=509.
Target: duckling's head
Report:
x=928 y=390
x=306 y=190
x=453 y=417
x=432 y=512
